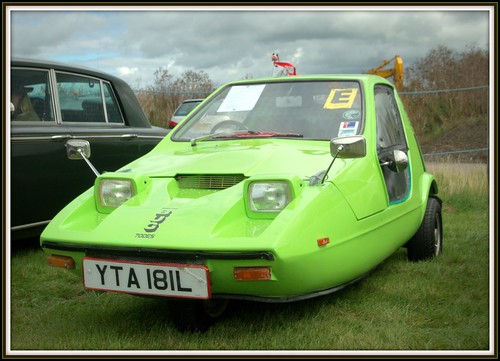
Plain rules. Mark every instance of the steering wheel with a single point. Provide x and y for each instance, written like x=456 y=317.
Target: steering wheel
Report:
x=230 y=124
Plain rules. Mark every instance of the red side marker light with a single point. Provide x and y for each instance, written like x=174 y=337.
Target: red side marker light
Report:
x=323 y=241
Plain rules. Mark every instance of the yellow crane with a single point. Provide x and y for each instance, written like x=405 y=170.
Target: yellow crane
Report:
x=396 y=72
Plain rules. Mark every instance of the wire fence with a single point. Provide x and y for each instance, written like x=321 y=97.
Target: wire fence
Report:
x=434 y=154
x=401 y=92
x=472 y=154
x=478 y=155
x=172 y=92
x=444 y=91
x=457 y=152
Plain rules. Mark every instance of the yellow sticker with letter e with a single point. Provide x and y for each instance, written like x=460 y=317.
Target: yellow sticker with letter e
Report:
x=340 y=99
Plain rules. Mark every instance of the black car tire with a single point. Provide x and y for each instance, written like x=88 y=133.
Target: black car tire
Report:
x=428 y=241
x=196 y=315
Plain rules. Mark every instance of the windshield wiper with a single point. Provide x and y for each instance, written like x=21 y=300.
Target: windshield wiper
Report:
x=220 y=135
x=204 y=137
x=280 y=134
x=244 y=134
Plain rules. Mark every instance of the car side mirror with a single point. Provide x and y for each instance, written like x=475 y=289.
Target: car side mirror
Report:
x=353 y=146
x=80 y=149
x=348 y=147
x=77 y=149
x=398 y=161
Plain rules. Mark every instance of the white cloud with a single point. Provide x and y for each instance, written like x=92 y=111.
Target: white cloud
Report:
x=231 y=44
x=125 y=71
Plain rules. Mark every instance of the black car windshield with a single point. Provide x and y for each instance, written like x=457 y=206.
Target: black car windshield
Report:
x=312 y=109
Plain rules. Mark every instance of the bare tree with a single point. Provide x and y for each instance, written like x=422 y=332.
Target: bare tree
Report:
x=453 y=89
x=162 y=98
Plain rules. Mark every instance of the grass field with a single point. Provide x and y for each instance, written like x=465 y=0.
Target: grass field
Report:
x=439 y=307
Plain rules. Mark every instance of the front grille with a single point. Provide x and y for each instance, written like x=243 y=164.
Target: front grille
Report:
x=208 y=181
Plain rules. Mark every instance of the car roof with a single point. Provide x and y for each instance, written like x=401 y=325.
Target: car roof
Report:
x=130 y=106
x=50 y=64
x=313 y=77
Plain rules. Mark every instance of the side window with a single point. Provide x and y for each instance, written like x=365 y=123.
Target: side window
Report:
x=30 y=96
x=390 y=133
x=112 y=108
x=390 y=137
x=81 y=100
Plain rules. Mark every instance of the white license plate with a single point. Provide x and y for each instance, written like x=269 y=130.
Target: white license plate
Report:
x=158 y=279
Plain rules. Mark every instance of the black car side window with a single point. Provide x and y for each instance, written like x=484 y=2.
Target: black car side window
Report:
x=86 y=99
x=30 y=96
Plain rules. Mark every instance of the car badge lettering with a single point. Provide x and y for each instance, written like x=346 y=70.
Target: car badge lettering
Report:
x=154 y=224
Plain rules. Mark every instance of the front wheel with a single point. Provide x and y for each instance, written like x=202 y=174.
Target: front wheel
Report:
x=427 y=243
x=196 y=315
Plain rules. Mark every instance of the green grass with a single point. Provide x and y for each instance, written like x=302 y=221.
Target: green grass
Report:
x=439 y=305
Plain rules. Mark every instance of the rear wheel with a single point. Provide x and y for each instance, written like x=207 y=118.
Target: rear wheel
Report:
x=196 y=315
x=428 y=241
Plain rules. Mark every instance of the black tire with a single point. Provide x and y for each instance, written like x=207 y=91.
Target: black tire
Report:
x=196 y=315
x=427 y=243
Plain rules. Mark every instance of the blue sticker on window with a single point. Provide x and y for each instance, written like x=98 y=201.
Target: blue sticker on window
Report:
x=351 y=114
x=348 y=128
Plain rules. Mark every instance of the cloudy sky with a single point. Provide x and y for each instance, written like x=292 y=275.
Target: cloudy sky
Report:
x=230 y=43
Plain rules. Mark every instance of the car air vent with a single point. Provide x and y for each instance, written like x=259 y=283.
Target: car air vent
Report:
x=208 y=181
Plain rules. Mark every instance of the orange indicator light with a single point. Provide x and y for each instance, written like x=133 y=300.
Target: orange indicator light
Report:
x=252 y=274
x=323 y=241
x=61 y=262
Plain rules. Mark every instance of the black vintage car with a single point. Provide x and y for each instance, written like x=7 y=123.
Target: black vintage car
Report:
x=51 y=103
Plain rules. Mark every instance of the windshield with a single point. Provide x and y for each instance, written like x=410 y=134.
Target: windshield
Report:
x=306 y=109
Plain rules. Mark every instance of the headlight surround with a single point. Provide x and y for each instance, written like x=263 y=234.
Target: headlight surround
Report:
x=115 y=192
x=112 y=189
x=269 y=196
